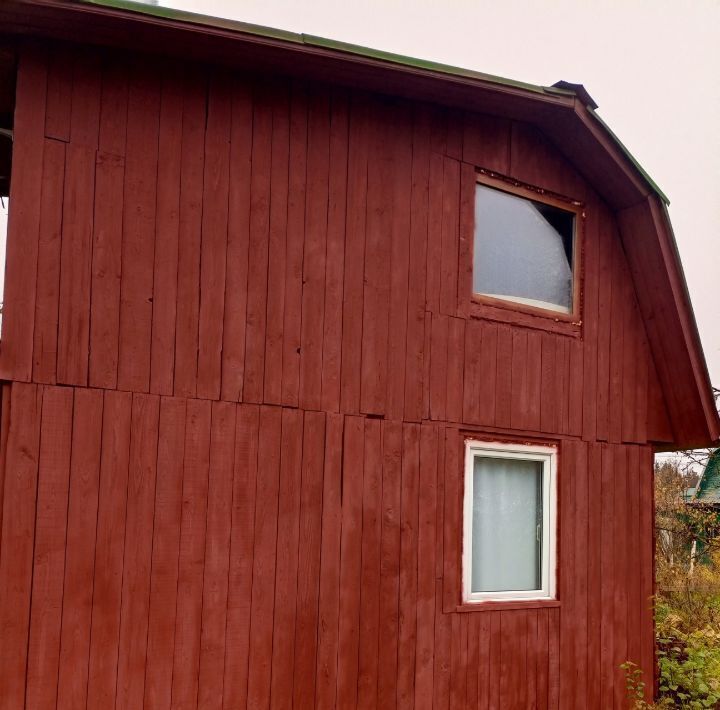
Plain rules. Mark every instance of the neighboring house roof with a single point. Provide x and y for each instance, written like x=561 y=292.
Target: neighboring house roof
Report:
x=708 y=488
x=565 y=113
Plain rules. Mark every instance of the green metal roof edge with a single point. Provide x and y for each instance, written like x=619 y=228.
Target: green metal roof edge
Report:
x=390 y=57
x=321 y=42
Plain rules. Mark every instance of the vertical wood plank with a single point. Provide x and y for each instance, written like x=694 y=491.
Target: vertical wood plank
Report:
x=18 y=538
x=520 y=393
x=489 y=381
x=473 y=375
x=591 y=317
x=109 y=550
x=335 y=264
x=59 y=95
x=622 y=583
x=594 y=575
x=213 y=247
x=112 y=134
x=376 y=286
x=217 y=558
x=277 y=245
x=450 y=239
x=455 y=355
x=286 y=570
x=350 y=561
x=138 y=247
x=542 y=664
x=438 y=367
x=329 y=595
x=416 y=355
x=605 y=300
x=24 y=221
x=85 y=102
x=617 y=335
x=166 y=546
x=503 y=386
x=434 y=233
x=191 y=556
x=165 y=277
x=295 y=245
x=370 y=566
x=75 y=265
x=408 y=582
x=264 y=557
x=308 y=587
x=633 y=538
x=548 y=386
x=554 y=659
x=583 y=544
x=399 y=261
x=534 y=379
x=237 y=634
x=568 y=472
x=138 y=550
x=234 y=323
x=466 y=238
x=452 y=547
x=106 y=270
x=607 y=583
x=314 y=257
x=48 y=263
x=575 y=388
x=647 y=576
x=188 y=277
x=354 y=256
x=264 y=103
x=486 y=142
x=388 y=640
x=424 y=657
x=80 y=549
x=49 y=556
x=107 y=229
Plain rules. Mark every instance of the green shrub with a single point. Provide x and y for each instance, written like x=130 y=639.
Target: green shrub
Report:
x=688 y=659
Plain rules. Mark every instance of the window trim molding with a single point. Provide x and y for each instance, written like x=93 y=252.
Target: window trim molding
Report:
x=533 y=452
x=514 y=311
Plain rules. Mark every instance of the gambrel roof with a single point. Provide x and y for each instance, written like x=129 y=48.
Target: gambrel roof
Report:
x=564 y=113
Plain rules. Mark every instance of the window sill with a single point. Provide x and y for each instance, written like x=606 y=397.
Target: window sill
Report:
x=501 y=311
x=508 y=605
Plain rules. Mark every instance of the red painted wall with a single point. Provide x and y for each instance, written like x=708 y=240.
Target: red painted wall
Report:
x=242 y=363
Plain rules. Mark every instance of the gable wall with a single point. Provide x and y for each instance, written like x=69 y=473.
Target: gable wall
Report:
x=239 y=308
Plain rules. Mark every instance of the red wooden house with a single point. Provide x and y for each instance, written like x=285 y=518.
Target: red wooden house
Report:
x=331 y=378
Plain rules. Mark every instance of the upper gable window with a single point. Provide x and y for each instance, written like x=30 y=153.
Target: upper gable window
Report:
x=524 y=249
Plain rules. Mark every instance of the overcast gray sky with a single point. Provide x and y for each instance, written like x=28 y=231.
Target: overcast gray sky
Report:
x=652 y=65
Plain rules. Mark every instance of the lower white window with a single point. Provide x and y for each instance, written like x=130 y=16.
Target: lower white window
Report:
x=509 y=522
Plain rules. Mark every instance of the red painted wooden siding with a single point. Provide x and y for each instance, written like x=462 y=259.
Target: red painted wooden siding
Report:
x=243 y=363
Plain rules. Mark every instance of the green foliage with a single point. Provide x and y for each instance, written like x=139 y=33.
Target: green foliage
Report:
x=687 y=606
x=689 y=659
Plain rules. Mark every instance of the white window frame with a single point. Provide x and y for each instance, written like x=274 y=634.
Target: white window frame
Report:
x=547 y=455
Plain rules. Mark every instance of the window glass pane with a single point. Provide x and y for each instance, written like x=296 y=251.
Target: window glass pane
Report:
x=523 y=250
x=506 y=525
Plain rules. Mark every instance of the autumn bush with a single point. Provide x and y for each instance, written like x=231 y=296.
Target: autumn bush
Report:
x=687 y=605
